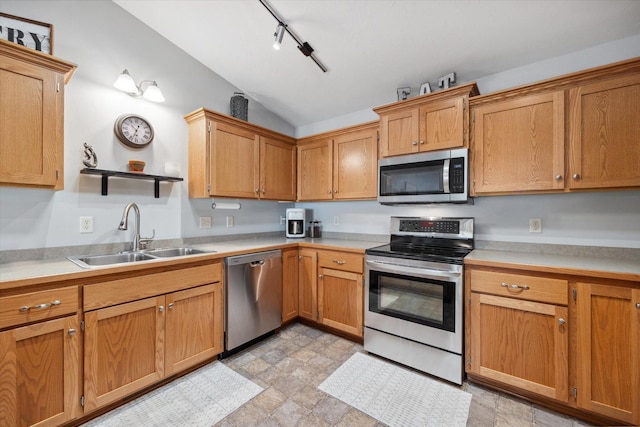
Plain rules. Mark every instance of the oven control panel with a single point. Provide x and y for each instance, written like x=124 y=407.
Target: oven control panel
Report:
x=429 y=226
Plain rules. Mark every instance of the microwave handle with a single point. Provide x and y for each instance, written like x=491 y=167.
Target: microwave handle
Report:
x=445 y=176
x=413 y=271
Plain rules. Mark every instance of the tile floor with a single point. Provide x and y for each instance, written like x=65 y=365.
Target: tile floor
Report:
x=292 y=363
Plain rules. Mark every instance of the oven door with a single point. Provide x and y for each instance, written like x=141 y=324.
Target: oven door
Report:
x=417 y=300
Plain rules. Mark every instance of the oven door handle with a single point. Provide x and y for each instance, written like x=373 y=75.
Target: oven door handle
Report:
x=413 y=271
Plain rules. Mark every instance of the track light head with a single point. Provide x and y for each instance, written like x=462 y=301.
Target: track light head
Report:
x=278 y=36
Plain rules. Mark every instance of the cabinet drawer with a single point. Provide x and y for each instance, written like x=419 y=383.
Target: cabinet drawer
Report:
x=36 y=306
x=341 y=261
x=532 y=288
x=119 y=291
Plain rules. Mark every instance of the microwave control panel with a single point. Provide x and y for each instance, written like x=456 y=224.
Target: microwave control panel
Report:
x=456 y=175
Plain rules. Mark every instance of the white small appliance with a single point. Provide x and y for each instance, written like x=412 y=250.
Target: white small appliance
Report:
x=295 y=223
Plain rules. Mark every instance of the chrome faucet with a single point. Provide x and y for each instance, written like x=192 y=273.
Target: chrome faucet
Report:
x=124 y=224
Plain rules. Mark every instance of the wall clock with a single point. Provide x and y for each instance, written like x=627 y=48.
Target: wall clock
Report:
x=133 y=130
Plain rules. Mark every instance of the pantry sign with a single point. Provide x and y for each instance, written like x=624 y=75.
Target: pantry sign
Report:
x=27 y=32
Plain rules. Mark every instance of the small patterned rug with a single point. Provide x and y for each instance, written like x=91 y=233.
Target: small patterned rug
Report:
x=198 y=399
x=396 y=396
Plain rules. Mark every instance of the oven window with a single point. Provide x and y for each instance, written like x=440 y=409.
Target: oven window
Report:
x=425 y=301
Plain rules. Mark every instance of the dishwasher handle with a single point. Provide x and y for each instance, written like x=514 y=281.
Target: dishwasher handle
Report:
x=255 y=264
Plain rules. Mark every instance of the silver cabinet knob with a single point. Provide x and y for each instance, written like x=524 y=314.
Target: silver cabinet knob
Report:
x=638 y=305
x=170 y=306
x=319 y=276
x=562 y=321
x=576 y=176
x=414 y=142
x=161 y=308
x=421 y=142
x=72 y=332
x=558 y=177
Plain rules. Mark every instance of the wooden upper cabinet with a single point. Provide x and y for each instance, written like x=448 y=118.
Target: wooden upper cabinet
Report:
x=339 y=165
x=229 y=157
x=32 y=117
x=315 y=170
x=574 y=132
x=518 y=144
x=234 y=164
x=604 y=142
x=277 y=169
x=429 y=122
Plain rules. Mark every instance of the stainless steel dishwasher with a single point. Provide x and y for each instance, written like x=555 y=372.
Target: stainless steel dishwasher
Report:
x=253 y=293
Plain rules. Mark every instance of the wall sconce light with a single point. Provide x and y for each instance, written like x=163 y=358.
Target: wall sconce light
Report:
x=126 y=84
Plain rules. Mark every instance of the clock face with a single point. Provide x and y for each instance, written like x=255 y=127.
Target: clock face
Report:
x=134 y=131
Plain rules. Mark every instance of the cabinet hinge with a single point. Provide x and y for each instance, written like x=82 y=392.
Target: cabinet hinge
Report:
x=208 y=188
x=209 y=127
x=57 y=86
x=82 y=325
x=575 y=294
x=469 y=361
x=575 y=393
x=473 y=117
x=469 y=303
x=378 y=135
x=82 y=401
x=57 y=174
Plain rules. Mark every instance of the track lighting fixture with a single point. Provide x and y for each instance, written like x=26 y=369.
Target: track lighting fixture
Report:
x=278 y=35
x=126 y=84
x=304 y=47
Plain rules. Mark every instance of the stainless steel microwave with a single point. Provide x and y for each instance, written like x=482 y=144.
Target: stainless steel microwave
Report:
x=431 y=177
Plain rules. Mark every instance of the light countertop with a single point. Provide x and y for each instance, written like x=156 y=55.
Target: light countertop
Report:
x=601 y=267
x=34 y=272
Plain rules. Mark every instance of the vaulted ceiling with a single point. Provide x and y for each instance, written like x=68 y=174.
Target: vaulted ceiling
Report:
x=373 y=47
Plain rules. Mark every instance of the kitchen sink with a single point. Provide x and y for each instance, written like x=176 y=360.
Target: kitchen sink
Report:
x=89 y=261
x=171 y=252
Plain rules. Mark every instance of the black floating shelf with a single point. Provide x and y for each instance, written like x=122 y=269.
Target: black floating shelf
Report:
x=131 y=175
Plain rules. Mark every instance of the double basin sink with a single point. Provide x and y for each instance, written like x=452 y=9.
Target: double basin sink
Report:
x=89 y=261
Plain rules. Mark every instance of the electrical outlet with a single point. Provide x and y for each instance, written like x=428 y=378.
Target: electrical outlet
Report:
x=535 y=225
x=230 y=221
x=86 y=224
x=282 y=220
x=205 y=222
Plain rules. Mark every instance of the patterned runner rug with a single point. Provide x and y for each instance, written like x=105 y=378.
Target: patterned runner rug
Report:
x=198 y=399
x=396 y=396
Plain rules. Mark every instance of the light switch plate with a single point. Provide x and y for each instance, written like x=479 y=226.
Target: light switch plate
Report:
x=535 y=225
x=205 y=222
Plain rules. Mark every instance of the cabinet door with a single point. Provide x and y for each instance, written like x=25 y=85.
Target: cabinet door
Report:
x=308 y=284
x=355 y=165
x=234 y=167
x=40 y=373
x=341 y=300
x=519 y=145
x=315 y=171
x=277 y=170
x=194 y=326
x=290 y=277
x=31 y=115
x=520 y=343
x=604 y=132
x=608 y=350
x=442 y=124
x=399 y=132
x=124 y=350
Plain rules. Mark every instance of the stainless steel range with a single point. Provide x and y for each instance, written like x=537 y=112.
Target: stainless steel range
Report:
x=414 y=294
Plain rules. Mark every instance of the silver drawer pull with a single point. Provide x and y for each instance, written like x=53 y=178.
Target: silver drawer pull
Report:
x=562 y=321
x=505 y=285
x=39 y=306
x=339 y=262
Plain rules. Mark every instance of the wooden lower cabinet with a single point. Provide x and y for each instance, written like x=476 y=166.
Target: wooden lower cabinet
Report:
x=40 y=373
x=308 y=284
x=133 y=345
x=341 y=300
x=290 y=274
x=194 y=325
x=521 y=343
x=608 y=350
x=572 y=339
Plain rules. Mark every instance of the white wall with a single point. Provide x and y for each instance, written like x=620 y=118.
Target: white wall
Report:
x=597 y=218
x=103 y=39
